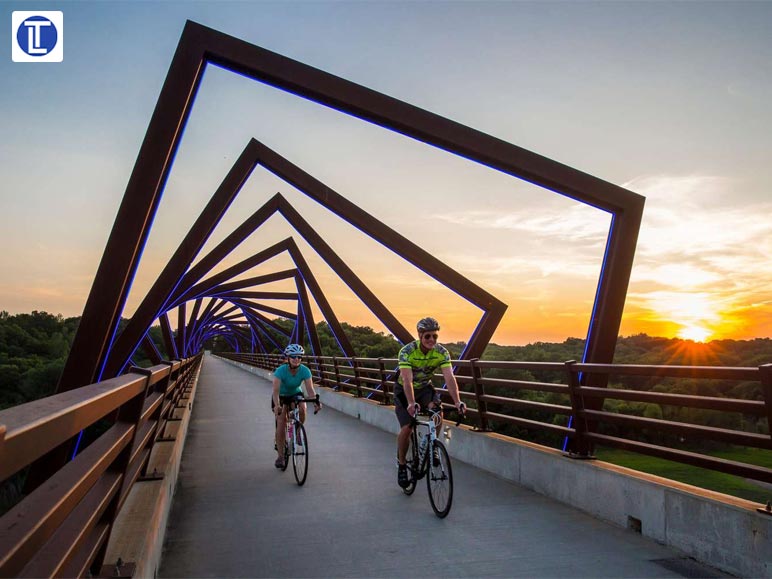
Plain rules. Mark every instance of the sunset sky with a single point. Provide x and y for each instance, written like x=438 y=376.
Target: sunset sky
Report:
x=670 y=100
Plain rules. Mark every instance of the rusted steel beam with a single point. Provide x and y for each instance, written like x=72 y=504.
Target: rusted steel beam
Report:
x=344 y=271
x=313 y=84
x=288 y=245
x=186 y=289
x=156 y=298
x=253 y=281
x=264 y=308
x=300 y=325
x=483 y=332
x=197 y=322
x=342 y=207
x=132 y=224
x=305 y=306
x=166 y=332
x=252 y=309
x=321 y=299
x=191 y=325
x=150 y=350
x=261 y=326
x=203 y=288
x=286 y=170
x=211 y=312
x=181 y=319
x=257 y=295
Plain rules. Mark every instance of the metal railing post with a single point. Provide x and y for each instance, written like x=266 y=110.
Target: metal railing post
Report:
x=765 y=373
x=479 y=393
x=384 y=386
x=130 y=412
x=338 y=385
x=319 y=369
x=579 y=447
x=355 y=364
x=156 y=417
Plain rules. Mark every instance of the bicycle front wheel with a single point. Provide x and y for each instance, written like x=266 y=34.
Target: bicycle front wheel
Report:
x=300 y=454
x=439 y=480
x=287 y=448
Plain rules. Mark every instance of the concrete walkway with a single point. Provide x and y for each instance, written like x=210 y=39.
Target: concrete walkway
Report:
x=235 y=515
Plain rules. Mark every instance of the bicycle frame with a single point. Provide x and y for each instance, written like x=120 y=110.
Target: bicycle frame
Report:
x=425 y=444
x=293 y=417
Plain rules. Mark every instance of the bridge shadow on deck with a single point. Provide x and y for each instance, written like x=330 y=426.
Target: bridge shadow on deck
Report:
x=235 y=515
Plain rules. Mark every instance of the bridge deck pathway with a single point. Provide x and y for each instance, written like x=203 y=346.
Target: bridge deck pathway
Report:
x=235 y=515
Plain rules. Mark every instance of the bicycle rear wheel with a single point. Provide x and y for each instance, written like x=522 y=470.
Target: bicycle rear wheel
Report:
x=439 y=480
x=411 y=459
x=300 y=454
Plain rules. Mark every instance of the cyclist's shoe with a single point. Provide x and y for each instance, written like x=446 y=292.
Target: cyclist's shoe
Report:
x=402 y=479
x=279 y=462
x=436 y=456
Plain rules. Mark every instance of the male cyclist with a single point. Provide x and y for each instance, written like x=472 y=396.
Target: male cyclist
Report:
x=418 y=361
x=287 y=380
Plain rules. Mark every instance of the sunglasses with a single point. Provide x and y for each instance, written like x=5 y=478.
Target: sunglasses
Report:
x=294 y=357
x=430 y=336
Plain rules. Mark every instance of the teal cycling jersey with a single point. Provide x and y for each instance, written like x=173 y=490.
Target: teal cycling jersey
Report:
x=289 y=384
x=424 y=365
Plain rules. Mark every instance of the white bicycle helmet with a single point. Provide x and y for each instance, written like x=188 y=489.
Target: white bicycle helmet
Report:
x=294 y=350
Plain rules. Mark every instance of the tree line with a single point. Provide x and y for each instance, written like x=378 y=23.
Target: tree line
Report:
x=34 y=347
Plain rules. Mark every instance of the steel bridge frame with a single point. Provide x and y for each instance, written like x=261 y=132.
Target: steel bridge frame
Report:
x=97 y=353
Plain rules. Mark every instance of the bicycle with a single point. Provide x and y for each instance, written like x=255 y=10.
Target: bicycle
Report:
x=296 y=440
x=428 y=457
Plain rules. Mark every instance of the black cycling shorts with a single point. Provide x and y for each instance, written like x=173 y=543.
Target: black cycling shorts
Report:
x=424 y=396
x=286 y=400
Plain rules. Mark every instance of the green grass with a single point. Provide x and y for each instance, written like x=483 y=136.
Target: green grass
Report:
x=699 y=477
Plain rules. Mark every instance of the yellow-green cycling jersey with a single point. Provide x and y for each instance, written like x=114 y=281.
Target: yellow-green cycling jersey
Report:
x=424 y=365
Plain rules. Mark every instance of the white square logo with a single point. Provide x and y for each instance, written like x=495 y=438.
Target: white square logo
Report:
x=37 y=36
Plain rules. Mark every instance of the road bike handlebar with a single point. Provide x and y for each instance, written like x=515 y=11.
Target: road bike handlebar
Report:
x=315 y=401
x=432 y=411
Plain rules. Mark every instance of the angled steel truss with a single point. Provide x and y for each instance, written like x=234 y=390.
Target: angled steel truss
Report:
x=96 y=352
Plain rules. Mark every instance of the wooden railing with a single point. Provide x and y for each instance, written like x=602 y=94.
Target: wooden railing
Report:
x=63 y=526
x=590 y=424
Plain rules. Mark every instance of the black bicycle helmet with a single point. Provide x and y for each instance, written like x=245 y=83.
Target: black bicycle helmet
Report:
x=427 y=325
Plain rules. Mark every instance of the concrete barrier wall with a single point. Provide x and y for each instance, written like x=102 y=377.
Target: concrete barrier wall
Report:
x=716 y=529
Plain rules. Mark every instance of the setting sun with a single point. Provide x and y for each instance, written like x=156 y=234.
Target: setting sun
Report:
x=696 y=333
